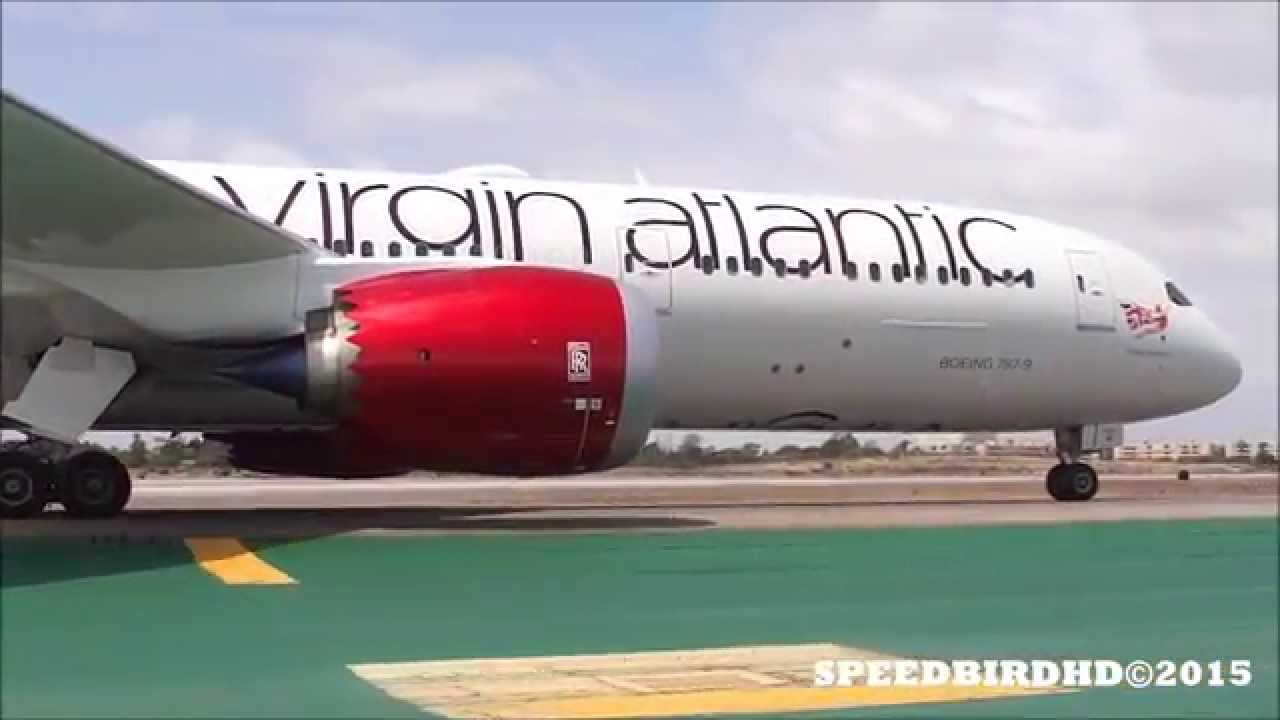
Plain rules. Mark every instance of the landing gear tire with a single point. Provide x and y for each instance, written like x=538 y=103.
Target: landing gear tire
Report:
x=1072 y=482
x=24 y=484
x=94 y=484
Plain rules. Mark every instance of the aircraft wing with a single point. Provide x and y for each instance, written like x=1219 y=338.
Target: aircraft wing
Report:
x=73 y=200
x=102 y=245
x=104 y=253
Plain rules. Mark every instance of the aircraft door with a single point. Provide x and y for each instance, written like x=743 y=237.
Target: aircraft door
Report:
x=644 y=262
x=1095 y=305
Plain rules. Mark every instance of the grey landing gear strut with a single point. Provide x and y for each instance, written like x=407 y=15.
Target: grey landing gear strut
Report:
x=1071 y=480
x=86 y=481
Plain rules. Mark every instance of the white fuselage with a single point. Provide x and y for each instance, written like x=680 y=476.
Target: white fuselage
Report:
x=775 y=311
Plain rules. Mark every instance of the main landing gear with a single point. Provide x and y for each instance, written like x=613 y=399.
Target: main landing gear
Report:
x=1071 y=480
x=89 y=483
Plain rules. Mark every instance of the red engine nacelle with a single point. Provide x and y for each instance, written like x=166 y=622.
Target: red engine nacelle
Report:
x=307 y=453
x=498 y=370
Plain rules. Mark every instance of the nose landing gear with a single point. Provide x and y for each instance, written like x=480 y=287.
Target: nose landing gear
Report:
x=1071 y=480
x=87 y=482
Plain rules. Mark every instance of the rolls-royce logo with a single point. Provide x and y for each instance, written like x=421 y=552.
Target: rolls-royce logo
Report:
x=579 y=362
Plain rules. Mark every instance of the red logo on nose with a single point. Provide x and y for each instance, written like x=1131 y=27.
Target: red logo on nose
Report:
x=1145 y=320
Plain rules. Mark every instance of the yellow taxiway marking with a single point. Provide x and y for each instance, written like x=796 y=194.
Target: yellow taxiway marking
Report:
x=234 y=564
x=772 y=678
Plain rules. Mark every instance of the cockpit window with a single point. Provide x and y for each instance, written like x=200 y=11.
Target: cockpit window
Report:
x=1176 y=295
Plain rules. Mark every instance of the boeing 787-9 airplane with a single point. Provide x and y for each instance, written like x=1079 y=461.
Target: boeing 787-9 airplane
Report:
x=351 y=323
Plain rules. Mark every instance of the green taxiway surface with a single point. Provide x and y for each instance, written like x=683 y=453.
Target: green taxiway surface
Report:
x=136 y=629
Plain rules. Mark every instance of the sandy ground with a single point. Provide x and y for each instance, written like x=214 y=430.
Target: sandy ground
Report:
x=167 y=506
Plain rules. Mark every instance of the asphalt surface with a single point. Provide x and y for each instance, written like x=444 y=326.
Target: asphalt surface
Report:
x=308 y=598
x=175 y=506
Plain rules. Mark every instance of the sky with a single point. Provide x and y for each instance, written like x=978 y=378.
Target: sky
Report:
x=1151 y=124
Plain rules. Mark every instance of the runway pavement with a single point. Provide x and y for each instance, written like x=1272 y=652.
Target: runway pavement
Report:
x=171 y=506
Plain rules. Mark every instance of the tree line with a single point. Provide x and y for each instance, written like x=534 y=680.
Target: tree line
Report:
x=692 y=452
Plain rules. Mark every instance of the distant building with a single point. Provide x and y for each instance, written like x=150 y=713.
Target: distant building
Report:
x=1130 y=452
x=1189 y=450
x=1002 y=447
x=1020 y=447
x=1162 y=451
x=1141 y=451
x=1244 y=449
x=1158 y=451
x=1193 y=448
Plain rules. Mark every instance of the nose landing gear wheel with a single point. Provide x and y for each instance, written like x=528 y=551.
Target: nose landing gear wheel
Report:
x=24 y=485
x=94 y=484
x=1072 y=482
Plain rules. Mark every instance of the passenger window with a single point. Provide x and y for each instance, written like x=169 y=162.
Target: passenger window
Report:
x=875 y=272
x=1031 y=278
x=731 y=264
x=366 y=249
x=1080 y=282
x=757 y=267
x=420 y=250
x=897 y=273
x=942 y=275
x=965 y=276
x=851 y=271
x=395 y=249
x=804 y=268
x=921 y=274
x=339 y=247
x=1176 y=295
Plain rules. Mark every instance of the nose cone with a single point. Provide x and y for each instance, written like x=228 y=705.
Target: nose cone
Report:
x=1229 y=370
x=1216 y=366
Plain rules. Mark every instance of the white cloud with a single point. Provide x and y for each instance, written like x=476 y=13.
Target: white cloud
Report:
x=169 y=136
x=411 y=109
x=181 y=137
x=248 y=151
x=451 y=91
x=1153 y=124
x=113 y=16
x=1065 y=106
x=359 y=85
x=137 y=24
